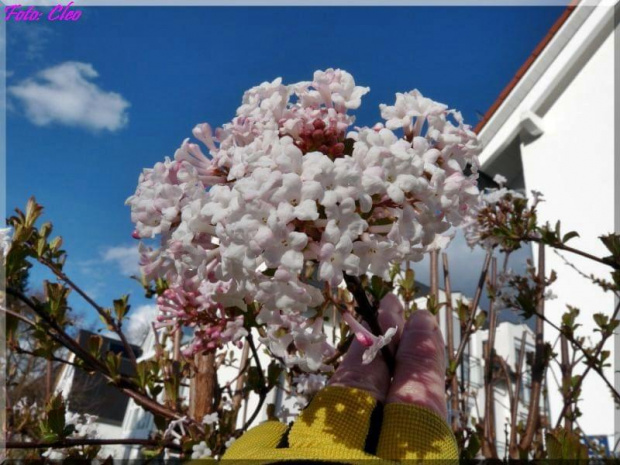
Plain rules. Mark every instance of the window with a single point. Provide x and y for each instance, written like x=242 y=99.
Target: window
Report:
x=526 y=387
x=92 y=394
x=465 y=366
x=526 y=376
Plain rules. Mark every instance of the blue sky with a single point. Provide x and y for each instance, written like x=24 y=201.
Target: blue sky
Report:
x=129 y=84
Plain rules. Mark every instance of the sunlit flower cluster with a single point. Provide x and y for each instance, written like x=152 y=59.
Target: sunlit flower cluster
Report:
x=491 y=202
x=289 y=197
x=84 y=427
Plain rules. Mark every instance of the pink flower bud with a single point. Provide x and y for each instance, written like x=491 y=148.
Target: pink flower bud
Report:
x=318 y=124
x=364 y=339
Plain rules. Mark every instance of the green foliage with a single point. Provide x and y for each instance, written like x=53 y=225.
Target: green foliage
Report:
x=121 y=308
x=564 y=444
x=470 y=451
x=113 y=364
x=254 y=380
x=52 y=424
x=512 y=222
x=274 y=370
x=612 y=242
x=569 y=324
x=379 y=288
x=432 y=305
x=480 y=320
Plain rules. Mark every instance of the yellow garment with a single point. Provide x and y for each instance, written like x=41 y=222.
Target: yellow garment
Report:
x=333 y=428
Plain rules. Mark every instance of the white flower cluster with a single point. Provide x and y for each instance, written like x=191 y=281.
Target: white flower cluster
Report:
x=84 y=424
x=290 y=197
x=84 y=427
x=23 y=407
x=472 y=228
x=201 y=450
x=305 y=386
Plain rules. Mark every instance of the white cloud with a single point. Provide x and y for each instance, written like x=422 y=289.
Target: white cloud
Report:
x=65 y=94
x=138 y=323
x=126 y=257
x=30 y=40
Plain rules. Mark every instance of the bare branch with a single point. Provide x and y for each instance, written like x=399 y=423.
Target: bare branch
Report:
x=105 y=315
x=566 y=382
x=472 y=313
x=489 y=447
x=454 y=389
x=262 y=393
x=540 y=363
x=514 y=406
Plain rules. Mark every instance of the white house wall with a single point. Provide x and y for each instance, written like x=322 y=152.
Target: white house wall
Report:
x=572 y=164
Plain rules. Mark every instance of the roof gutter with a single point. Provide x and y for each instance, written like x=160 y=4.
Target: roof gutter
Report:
x=530 y=73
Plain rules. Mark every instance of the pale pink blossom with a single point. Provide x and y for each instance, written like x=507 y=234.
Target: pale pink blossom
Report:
x=291 y=185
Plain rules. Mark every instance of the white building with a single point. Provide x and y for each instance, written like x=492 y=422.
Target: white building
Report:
x=119 y=417
x=86 y=394
x=552 y=130
x=138 y=423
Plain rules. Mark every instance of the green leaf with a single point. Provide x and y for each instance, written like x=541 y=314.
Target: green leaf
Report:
x=473 y=446
x=33 y=212
x=160 y=422
x=481 y=318
x=600 y=319
x=171 y=388
x=41 y=243
x=431 y=304
x=451 y=367
x=253 y=382
x=612 y=242
x=49 y=437
x=55 y=416
x=568 y=320
x=409 y=282
x=568 y=236
x=56 y=243
x=155 y=390
x=45 y=230
x=565 y=445
x=462 y=310
x=394 y=271
x=113 y=363
x=121 y=307
x=142 y=371
x=604 y=356
x=379 y=288
x=69 y=429
x=94 y=345
x=273 y=373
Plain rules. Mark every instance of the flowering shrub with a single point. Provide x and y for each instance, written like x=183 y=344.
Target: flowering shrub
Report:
x=168 y=385
x=289 y=199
